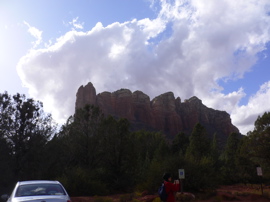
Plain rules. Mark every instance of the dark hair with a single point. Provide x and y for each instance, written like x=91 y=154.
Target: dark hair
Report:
x=166 y=176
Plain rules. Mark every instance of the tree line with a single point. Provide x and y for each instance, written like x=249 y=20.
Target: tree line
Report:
x=96 y=155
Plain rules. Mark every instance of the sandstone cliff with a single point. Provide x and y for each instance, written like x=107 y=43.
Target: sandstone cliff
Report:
x=164 y=113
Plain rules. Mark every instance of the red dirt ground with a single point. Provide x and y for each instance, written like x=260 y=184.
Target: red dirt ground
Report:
x=247 y=193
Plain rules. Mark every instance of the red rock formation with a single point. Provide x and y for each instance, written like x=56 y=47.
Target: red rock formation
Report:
x=86 y=94
x=164 y=113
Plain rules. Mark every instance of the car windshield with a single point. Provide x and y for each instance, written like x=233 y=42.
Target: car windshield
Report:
x=39 y=189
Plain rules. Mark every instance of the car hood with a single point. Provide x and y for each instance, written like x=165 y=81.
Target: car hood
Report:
x=54 y=198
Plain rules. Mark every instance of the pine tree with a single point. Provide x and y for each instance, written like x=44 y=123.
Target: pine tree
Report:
x=230 y=157
x=180 y=143
x=199 y=146
x=259 y=142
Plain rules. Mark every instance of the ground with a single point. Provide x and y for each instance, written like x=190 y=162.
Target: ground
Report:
x=245 y=193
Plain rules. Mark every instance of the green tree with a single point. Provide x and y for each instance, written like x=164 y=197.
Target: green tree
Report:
x=117 y=153
x=199 y=161
x=215 y=153
x=180 y=143
x=81 y=136
x=26 y=129
x=152 y=152
x=245 y=164
x=199 y=146
x=6 y=174
x=230 y=157
x=259 y=143
x=214 y=160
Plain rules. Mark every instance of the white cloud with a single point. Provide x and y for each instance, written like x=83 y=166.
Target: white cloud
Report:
x=245 y=116
x=187 y=49
x=35 y=33
x=227 y=102
x=76 y=24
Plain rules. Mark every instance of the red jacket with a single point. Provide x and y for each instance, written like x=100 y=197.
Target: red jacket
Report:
x=170 y=190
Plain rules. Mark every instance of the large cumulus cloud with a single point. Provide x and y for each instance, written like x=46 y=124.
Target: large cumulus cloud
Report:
x=187 y=49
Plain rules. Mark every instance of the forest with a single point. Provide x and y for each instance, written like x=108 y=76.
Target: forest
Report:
x=96 y=155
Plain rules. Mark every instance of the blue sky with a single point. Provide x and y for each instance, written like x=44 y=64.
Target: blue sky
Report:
x=216 y=50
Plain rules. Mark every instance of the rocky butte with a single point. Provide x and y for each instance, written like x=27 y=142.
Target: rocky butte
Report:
x=164 y=113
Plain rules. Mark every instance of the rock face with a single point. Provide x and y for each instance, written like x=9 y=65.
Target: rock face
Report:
x=164 y=113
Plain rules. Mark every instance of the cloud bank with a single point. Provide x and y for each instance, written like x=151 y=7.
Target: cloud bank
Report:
x=187 y=49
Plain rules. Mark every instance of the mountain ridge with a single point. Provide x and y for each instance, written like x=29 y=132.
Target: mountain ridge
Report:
x=164 y=113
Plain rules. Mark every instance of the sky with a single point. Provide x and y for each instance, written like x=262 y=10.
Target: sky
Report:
x=218 y=51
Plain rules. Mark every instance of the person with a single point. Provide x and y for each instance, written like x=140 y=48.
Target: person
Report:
x=170 y=187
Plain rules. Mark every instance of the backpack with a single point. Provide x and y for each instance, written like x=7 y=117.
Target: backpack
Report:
x=162 y=193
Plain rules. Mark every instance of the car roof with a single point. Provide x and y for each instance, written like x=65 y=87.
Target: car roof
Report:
x=38 y=182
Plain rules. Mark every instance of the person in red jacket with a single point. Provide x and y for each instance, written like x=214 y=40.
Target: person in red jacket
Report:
x=170 y=187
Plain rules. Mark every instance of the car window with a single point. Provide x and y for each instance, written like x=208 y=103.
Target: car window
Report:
x=39 y=189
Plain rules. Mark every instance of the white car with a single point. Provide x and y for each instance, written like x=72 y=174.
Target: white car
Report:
x=38 y=191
